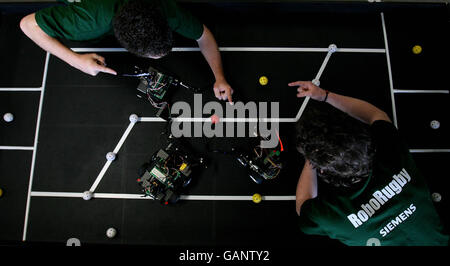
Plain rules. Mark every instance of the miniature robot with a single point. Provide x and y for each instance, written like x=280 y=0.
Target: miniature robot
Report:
x=168 y=172
x=261 y=163
x=155 y=86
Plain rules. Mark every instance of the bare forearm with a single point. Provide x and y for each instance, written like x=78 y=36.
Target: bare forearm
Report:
x=210 y=51
x=356 y=108
x=306 y=186
x=30 y=27
x=91 y=63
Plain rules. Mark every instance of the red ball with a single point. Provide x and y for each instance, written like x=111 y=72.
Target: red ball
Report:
x=215 y=119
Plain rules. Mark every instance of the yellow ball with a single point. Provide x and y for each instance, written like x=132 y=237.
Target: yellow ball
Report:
x=263 y=80
x=1 y=192
x=256 y=198
x=417 y=49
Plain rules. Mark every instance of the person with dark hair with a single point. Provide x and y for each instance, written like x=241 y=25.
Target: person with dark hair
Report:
x=143 y=27
x=371 y=192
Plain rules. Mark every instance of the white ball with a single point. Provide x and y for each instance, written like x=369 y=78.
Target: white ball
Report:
x=110 y=156
x=111 y=232
x=134 y=118
x=87 y=195
x=436 y=197
x=332 y=48
x=435 y=124
x=8 y=117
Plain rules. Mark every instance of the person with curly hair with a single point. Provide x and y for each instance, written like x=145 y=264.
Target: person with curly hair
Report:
x=143 y=27
x=371 y=191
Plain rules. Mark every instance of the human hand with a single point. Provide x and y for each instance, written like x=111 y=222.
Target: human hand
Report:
x=92 y=64
x=223 y=90
x=308 y=89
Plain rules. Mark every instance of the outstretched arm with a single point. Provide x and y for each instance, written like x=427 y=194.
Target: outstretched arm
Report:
x=91 y=64
x=356 y=108
x=210 y=50
x=306 y=186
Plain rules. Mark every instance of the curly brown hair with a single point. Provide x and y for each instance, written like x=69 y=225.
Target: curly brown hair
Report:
x=141 y=28
x=337 y=145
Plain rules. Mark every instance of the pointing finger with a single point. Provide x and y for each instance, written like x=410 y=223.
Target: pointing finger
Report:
x=297 y=83
x=228 y=93
x=107 y=70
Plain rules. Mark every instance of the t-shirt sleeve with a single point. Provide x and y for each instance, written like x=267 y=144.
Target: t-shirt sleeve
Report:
x=306 y=220
x=384 y=131
x=81 y=21
x=182 y=21
x=390 y=147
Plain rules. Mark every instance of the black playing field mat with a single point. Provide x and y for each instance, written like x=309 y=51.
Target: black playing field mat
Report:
x=84 y=117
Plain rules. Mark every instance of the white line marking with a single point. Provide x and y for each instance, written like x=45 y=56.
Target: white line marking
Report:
x=124 y=137
x=20 y=89
x=141 y=196
x=108 y=163
x=87 y=50
x=151 y=119
x=214 y=197
x=319 y=74
x=19 y=148
x=278 y=197
x=36 y=139
x=100 y=176
x=422 y=91
x=57 y=194
x=391 y=83
x=362 y=50
x=222 y=120
x=302 y=108
x=428 y=150
x=244 y=49
x=324 y=64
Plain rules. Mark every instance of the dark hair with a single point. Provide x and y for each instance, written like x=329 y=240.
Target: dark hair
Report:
x=337 y=145
x=141 y=29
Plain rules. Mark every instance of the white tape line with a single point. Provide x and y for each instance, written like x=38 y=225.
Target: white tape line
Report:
x=57 y=194
x=278 y=198
x=141 y=196
x=20 y=89
x=36 y=139
x=302 y=108
x=108 y=163
x=391 y=83
x=17 y=148
x=244 y=49
x=214 y=197
x=231 y=120
x=221 y=120
x=100 y=176
x=88 y=50
x=428 y=150
x=351 y=50
x=124 y=137
x=422 y=91
x=319 y=74
x=324 y=64
x=151 y=119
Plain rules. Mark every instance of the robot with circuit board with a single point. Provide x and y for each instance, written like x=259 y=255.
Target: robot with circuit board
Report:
x=156 y=87
x=168 y=172
x=170 y=169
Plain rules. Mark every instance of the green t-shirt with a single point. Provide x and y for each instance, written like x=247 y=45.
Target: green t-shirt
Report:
x=393 y=207
x=92 y=19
